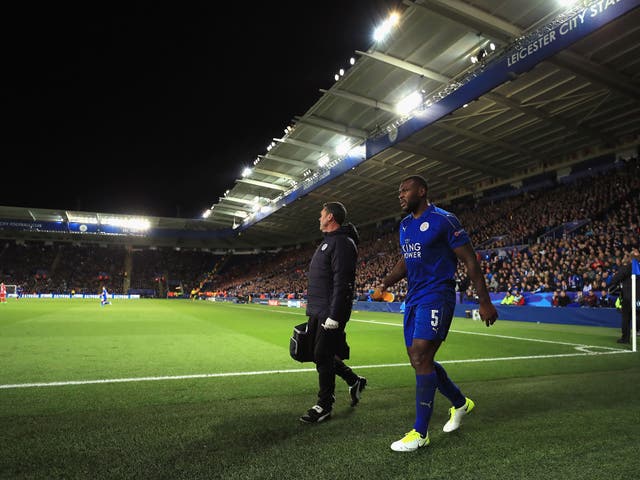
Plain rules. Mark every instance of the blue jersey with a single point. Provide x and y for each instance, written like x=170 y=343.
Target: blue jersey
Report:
x=427 y=245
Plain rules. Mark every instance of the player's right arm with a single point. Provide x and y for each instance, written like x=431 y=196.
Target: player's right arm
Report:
x=398 y=272
x=467 y=255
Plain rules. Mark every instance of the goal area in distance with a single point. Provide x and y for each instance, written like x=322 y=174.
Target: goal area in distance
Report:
x=12 y=290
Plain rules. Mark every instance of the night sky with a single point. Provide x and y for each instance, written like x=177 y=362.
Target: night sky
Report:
x=154 y=108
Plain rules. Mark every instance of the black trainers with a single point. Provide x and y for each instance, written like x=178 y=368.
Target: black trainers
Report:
x=316 y=414
x=356 y=389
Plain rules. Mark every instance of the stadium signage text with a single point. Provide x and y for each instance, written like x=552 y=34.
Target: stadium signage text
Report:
x=564 y=28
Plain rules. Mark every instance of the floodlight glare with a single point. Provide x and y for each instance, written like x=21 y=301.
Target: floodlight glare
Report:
x=381 y=32
x=132 y=223
x=342 y=149
x=246 y=172
x=408 y=103
x=323 y=160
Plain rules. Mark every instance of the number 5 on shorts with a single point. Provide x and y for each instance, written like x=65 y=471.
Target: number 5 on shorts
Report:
x=434 y=318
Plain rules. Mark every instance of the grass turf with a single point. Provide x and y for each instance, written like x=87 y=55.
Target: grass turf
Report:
x=546 y=410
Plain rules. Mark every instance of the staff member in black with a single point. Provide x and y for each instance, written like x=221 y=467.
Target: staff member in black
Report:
x=623 y=276
x=329 y=300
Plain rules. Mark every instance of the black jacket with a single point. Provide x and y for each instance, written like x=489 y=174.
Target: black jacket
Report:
x=332 y=274
x=623 y=276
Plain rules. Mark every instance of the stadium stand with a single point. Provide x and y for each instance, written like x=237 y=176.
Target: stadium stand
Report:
x=519 y=252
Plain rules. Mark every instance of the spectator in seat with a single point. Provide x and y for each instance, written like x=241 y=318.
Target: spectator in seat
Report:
x=555 y=299
x=591 y=299
x=563 y=299
x=508 y=298
x=605 y=300
x=518 y=299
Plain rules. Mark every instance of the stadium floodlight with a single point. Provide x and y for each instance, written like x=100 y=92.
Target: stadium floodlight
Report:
x=206 y=213
x=131 y=223
x=343 y=149
x=246 y=172
x=409 y=103
x=75 y=218
x=383 y=31
x=323 y=160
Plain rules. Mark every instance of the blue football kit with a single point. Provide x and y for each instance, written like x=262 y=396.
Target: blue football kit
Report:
x=104 y=297
x=427 y=245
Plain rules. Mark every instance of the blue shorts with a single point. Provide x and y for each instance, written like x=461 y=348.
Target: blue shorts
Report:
x=430 y=321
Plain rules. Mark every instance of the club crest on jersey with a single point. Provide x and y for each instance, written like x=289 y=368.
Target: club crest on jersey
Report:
x=424 y=226
x=324 y=247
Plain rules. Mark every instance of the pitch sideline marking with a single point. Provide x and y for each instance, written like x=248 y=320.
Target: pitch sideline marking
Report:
x=295 y=370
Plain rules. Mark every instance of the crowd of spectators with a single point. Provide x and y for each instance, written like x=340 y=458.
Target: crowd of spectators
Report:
x=520 y=248
x=66 y=268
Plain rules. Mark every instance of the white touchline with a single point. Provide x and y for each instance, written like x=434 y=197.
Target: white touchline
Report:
x=296 y=370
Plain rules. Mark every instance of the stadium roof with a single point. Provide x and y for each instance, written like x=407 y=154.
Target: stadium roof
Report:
x=561 y=85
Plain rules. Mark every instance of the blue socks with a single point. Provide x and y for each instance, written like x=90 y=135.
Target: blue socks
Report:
x=448 y=388
x=425 y=393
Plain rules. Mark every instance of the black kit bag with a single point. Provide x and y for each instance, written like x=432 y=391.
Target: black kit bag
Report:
x=301 y=344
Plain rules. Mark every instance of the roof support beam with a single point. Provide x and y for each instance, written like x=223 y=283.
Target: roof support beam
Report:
x=596 y=73
x=273 y=186
x=237 y=200
x=443 y=157
x=332 y=126
x=547 y=117
x=308 y=146
x=472 y=17
x=369 y=102
x=361 y=178
x=223 y=211
x=274 y=173
x=410 y=67
x=413 y=171
x=288 y=161
x=486 y=139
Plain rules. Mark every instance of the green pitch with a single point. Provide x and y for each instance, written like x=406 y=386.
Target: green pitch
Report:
x=197 y=390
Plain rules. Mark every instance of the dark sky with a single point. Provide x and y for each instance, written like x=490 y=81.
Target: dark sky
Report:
x=154 y=107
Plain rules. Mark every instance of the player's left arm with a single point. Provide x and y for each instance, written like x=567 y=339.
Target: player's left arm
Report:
x=467 y=255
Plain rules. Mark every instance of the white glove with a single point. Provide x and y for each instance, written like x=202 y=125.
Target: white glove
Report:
x=330 y=324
